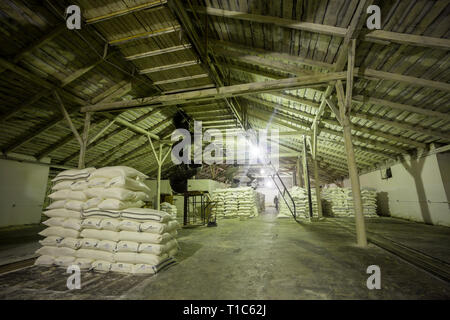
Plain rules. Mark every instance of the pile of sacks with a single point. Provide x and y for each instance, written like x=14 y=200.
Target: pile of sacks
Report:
x=219 y=199
x=342 y=204
x=170 y=209
x=235 y=202
x=62 y=237
x=114 y=232
x=300 y=197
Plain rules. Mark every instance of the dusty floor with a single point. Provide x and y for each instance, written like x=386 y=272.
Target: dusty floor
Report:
x=263 y=258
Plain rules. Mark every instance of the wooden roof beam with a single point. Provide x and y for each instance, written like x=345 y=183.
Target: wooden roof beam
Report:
x=158 y=52
x=219 y=93
x=187 y=78
x=120 y=13
x=144 y=35
x=378 y=36
x=170 y=66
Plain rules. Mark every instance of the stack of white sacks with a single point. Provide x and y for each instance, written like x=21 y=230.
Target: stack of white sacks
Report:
x=230 y=204
x=62 y=237
x=170 y=209
x=246 y=199
x=235 y=202
x=219 y=199
x=342 y=204
x=117 y=234
x=300 y=197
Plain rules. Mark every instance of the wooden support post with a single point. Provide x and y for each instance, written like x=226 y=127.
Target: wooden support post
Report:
x=344 y=110
x=299 y=173
x=316 y=170
x=159 y=160
x=83 y=146
x=158 y=181
x=74 y=130
x=306 y=176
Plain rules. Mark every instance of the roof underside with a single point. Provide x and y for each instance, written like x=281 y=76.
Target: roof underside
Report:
x=132 y=49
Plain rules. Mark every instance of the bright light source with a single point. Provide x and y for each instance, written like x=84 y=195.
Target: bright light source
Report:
x=269 y=184
x=254 y=151
x=262 y=171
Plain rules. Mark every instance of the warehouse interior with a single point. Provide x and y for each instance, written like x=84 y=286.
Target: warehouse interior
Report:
x=316 y=134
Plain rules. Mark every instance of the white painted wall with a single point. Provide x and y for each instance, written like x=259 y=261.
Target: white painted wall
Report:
x=416 y=191
x=22 y=192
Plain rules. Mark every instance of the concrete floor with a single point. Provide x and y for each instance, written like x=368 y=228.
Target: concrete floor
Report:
x=263 y=258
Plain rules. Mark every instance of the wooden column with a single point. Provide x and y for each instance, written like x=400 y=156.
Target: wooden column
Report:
x=316 y=171
x=299 y=172
x=85 y=137
x=159 y=160
x=344 y=110
x=306 y=176
x=74 y=130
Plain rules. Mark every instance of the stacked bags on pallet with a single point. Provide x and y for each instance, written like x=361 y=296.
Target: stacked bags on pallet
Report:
x=219 y=198
x=342 y=204
x=117 y=233
x=170 y=209
x=230 y=204
x=235 y=202
x=300 y=198
x=132 y=240
x=104 y=226
x=62 y=237
x=246 y=200
x=369 y=200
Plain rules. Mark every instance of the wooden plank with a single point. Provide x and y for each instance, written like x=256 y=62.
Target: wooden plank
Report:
x=409 y=39
x=281 y=22
x=40 y=42
x=158 y=52
x=67 y=117
x=119 y=13
x=268 y=54
x=418 y=82
x=144 y=35
x=187 y=78
x=170 y=66
x=403 y=107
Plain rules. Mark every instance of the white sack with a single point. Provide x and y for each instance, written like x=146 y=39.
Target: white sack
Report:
x=110 y=224
x=114 y=204
x=63 y=213
x=127 y=183
x=56 y=205
x=146 y=258
x=101 y=265
x=100 y=234
x=127 y=246
x=70 y=243
x=95 y=254
x=118 y=171
x=52 y=241
x=54 y=222
x=44 y=261
x=144 y=237
x=107 y=245
x=59 y=232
